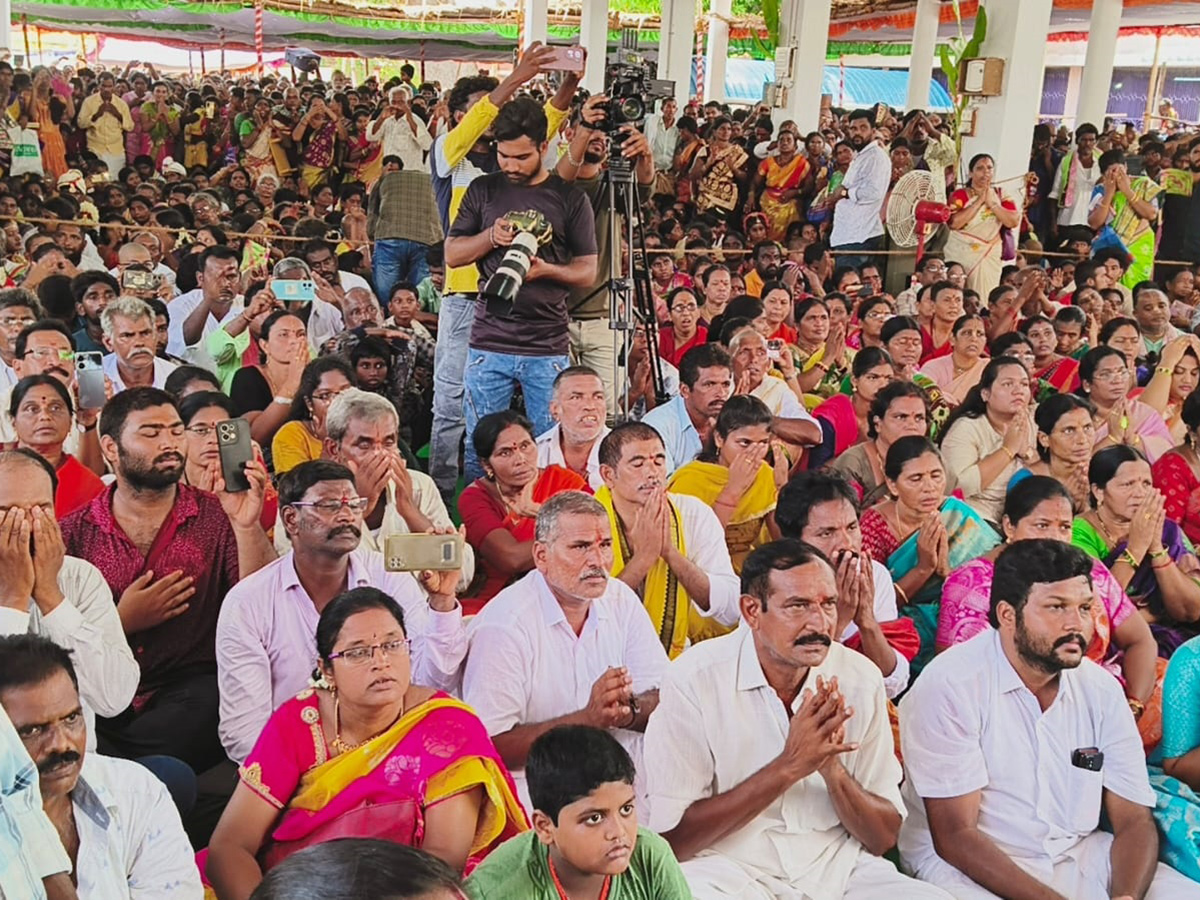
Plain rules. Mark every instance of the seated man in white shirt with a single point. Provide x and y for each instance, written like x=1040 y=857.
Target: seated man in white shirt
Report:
x=268 y=623
x=116 y=821
x=1014 y=742
x=685 y=421
x=565 y=645
x=43 y=591
x=577 y=405
x=770 y=762
x=131 y=338
x=792 y=424
x=821 y=509
x=670 y=548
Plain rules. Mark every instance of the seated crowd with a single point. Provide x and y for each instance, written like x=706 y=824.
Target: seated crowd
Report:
x=807 y=590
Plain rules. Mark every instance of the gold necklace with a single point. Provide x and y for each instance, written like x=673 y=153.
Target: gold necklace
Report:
x=340 y=746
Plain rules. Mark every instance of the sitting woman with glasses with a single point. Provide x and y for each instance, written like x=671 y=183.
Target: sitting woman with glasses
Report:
x=41 y=410
x=301 y=438
x=500 y=509
x=1106 y=380
x=871 y=315
x=364 y=753
x=201 y=412
x=685 y=330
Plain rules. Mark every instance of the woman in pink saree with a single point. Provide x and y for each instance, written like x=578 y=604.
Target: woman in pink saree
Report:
x=365 y=754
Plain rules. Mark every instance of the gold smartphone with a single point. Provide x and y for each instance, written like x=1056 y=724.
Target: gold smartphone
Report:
x=418 y=552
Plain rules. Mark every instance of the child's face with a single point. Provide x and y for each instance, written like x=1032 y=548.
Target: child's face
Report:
x=595 y=835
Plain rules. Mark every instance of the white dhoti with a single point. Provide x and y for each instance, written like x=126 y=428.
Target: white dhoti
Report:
x=716 y=877
x=1083 y=875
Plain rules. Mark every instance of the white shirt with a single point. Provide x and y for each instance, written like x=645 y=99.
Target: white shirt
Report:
x=429 y=502
x=549 y=448
x=8 y=375
x=324 y=322
x=349 y=281
x=30 y=848
x=131 y=841
x=718 y=722
x=678 y=432
x=704 y=539
x=266 y=641
x=400 y=140
x=970 y=724
x=780 y=400
x=87 y=624
x=182 y=307
x=1085 y=182
x=162 y=368
x=856 y=216
x=662 y=142
x=526 y=665
x=885 y=611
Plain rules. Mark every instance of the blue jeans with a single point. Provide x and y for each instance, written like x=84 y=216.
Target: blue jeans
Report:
x=868 y=248
x=178 y=778
x=491 y=378
x=394 y=260
x=449 y=360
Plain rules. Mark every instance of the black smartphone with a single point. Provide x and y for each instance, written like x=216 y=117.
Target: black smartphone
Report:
x=233 y=443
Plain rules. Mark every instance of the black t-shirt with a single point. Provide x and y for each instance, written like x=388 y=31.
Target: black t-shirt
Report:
x=249 y=391
x=537 y=324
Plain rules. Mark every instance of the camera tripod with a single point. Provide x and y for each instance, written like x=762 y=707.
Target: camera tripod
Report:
x=630 y=299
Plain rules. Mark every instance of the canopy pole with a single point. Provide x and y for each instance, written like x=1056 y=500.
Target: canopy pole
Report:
x=25 y=33
x=258 y=36
x=221 y=36
x=203 y=66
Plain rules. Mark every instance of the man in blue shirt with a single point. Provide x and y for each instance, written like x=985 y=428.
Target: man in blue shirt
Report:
x=705 y=383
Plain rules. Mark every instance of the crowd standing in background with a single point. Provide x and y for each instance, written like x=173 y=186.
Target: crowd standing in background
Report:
x=845 y=573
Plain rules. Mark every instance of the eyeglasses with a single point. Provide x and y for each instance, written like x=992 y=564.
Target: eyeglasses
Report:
x=50 y=353
x=684 y=307
x=1110 y=375
x=10 y=322
x=356 y=656
x=331 y=507
x=326 y=396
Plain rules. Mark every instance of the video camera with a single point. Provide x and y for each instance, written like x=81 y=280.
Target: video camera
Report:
x=631 y=94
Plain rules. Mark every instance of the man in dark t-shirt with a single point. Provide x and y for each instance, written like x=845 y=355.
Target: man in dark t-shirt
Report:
x=525 y=343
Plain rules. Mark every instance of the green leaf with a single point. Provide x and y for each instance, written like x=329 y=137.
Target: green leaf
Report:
x=948 y=67
x=971 y=50
x=770 y=14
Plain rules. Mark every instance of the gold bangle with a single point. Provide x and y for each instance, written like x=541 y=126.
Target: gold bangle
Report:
x=1127 y=557
x=1163 y=370
x=1011 y=456
x=1137 y=707
x=1158 y=554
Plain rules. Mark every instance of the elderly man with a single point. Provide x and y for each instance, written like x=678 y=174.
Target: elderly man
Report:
x=44 y=591
x=685 y=422
x=565 y=645
x=106 y=118
x=322 y=317
x=360 y=433
x=577 y=405
x=770 y=761
x=670 y=548
x=1014 y=742
x=792 y=422
x=401 y=132
x=135 y=257
x=131 y=337
x=266 y=634
x=170 y=553
x=821 y=509
x=115 y=820
x=216 y=301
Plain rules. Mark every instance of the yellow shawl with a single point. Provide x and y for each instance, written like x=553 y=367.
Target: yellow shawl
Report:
x=663 y=596
x=747 y=526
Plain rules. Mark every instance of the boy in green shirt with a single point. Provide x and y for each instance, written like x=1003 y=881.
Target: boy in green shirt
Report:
x=585 y=843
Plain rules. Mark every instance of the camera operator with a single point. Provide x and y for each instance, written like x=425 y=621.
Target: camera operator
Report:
x=583 y=164
x=527 y=343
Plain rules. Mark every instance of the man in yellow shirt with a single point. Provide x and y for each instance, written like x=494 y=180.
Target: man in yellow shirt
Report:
x=106 y=118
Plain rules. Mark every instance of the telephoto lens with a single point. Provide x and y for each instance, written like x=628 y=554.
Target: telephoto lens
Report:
x=501 y=289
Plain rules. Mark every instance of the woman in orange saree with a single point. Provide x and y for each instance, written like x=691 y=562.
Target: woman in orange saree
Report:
x=777 y=185
x=325 y=769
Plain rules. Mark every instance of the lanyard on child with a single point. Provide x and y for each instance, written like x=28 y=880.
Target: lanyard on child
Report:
x=562 y=895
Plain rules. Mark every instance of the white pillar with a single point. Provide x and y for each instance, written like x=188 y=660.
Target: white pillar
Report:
x=6 y=27
x=1071 y=101
x=920 y=65
x=536 y=26
x=718 y=49
x=1004 y=125
x=676 y=43
x=1098 y=64
x=808 y=31
x=593 y=34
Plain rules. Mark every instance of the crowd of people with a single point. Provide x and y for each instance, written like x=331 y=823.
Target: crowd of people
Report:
x=841 y=573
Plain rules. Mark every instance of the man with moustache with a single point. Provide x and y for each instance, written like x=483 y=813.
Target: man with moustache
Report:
x=1013 y=743
x=857 y=226
x=565 y=645
x=770 y=761
x=524 y=341
x=115 y=820
x=684 y=422
x=767 y=260
x=170 y=553
x=131 y=336
x=268 y=623
x=792 y=423
x=577 y=407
